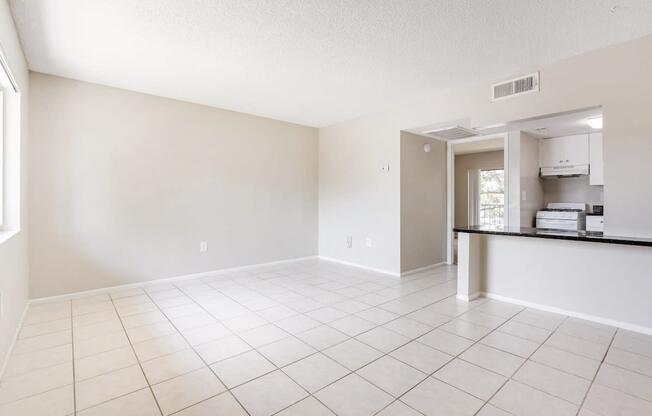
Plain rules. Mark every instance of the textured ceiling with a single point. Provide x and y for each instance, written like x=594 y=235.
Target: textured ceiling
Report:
x=308 y=61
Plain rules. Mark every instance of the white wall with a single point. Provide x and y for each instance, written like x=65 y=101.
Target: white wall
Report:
x=125 y=186
x=463 y=164
x=356 y=198
x=423 y=202
x=13 y=252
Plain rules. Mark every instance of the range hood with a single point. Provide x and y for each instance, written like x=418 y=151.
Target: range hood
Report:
x=565 y=171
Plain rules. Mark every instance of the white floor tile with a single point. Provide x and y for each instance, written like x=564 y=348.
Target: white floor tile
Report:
x=223 y=404
x=446 y=342
x=172 y=365
x=105 y=362
x=391 y=375
x=470 y=378
x=286 y=351
x=308 y=406
x=222 y=349
x=421 y=357
x=610 y=402
x=520 y=399
x=189 y=389
x=626 y=381
x=383 y=339
x=492 y=359
x=433 y=397
x=139 y=403
x=353 y=396
x=352 y=354
x=269 y=394
x=315 y=372
x=557 y=383
x=398 y=408
x=322 y=337
x=242 y=368
x=56 y=402
x=566 y=361
x=263 y=335
x=35 y=382
x=96 y=390
x=511 y=344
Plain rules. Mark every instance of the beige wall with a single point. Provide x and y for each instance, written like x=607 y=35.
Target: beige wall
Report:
x=126 y=185
x=463 y=164
x=13 y=252
x=530 y=183
x=355 y=196
x=423 y=202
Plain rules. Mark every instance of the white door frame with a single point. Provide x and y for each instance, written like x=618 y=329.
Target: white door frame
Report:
x=450 y=186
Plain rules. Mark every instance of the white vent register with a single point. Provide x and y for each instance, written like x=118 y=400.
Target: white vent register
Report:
x=514 y=87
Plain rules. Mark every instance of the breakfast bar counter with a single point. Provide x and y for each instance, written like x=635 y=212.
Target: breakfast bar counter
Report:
x=603 y=278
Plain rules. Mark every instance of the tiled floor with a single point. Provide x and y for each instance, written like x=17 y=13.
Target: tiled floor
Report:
x=316 y=338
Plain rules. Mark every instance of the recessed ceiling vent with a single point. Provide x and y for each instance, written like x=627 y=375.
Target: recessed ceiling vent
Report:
x=451 y=133
x=514 y=87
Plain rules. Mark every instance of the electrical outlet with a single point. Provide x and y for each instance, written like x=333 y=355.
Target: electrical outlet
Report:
x=349 y=242
x=368 y=242
x=203 y=246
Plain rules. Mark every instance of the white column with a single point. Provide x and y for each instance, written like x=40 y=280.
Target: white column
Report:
x=468 y=266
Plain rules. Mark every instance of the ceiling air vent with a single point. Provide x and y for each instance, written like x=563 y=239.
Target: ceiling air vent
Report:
x=514 y=87
x=451 y=133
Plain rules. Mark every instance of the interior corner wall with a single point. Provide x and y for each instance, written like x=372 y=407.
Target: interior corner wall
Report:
x=14 y=267
x=423 y=202
x=463 y=164
x=126 y=186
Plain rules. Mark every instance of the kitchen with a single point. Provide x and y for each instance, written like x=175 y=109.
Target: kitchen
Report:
x=550 y=250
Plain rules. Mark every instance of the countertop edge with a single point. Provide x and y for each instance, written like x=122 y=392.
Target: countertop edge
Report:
x=587 y=238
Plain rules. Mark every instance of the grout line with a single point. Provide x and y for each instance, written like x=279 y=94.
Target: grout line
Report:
x=72 y=348
x=133 y=351
x=250 y=284
x=604 y=357
x=195 y=351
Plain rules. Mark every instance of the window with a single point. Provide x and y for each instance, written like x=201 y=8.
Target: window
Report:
x=2 y=158
x=492 y=197
x=9 y=152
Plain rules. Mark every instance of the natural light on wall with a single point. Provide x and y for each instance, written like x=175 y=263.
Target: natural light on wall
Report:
x=9 y=152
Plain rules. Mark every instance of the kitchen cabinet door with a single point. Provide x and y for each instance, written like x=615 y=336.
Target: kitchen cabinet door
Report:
x=576 y=150
x=596 y=159
x=552 y=152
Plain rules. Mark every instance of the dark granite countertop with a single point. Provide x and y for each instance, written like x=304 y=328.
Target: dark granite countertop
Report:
x=555 y=234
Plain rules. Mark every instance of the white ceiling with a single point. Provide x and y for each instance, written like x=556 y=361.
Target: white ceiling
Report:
x=308 y=61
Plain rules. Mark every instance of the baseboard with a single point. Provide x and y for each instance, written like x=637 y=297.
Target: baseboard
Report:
x=5 y=360
x=164 y=280
x=360 y=266
x=424 y=268
x=468 y=298
x=586 y=317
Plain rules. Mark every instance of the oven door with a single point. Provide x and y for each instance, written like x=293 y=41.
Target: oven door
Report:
x=553 y=224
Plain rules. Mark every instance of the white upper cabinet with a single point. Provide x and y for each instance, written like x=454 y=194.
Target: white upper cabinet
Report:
x=564 y=151
x=596 y=159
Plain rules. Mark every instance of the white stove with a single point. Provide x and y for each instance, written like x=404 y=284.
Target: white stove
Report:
x=562 y=216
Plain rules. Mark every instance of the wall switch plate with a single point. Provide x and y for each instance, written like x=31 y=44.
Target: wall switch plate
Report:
x=523 y=196
x=203 y=246
x=2 y=304
x=368 y=242
x=349 y=242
